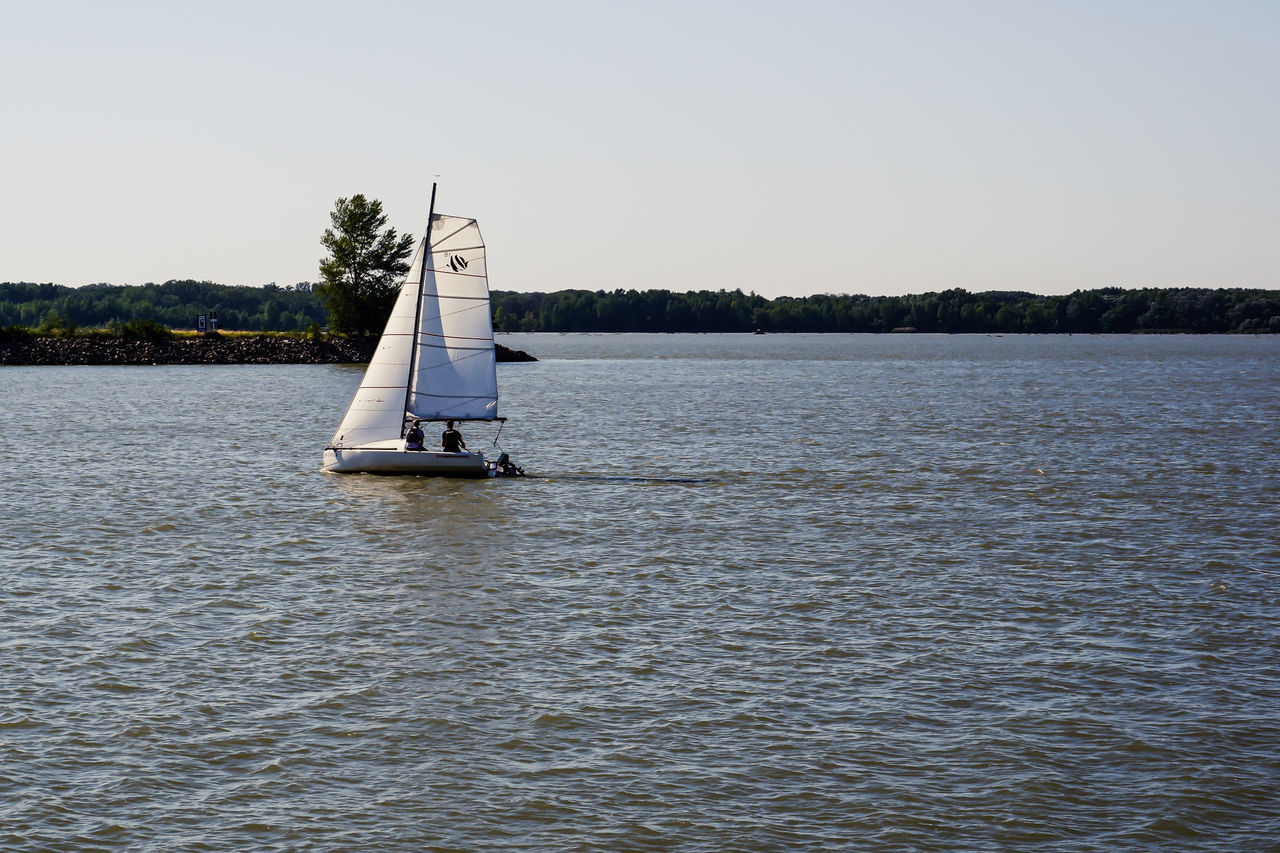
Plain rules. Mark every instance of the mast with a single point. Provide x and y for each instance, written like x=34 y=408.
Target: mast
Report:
x=417 y=310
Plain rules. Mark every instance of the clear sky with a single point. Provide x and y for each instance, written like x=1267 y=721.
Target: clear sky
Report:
x=793 y=148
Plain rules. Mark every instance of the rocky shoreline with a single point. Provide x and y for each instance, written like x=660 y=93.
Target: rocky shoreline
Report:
x=207 y=349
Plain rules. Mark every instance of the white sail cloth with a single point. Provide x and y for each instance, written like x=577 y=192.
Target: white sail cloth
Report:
x=435 y=360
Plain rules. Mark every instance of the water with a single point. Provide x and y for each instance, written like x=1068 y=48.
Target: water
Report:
x=760 y=593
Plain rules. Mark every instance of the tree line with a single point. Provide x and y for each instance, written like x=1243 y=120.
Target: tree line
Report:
x=1113 y=310
x=174 y=304
x=366 y=261
x=297 y=308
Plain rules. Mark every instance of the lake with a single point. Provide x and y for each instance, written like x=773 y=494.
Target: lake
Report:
x=758 y=593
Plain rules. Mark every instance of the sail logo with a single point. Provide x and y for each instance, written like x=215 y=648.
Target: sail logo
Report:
x=457 y=263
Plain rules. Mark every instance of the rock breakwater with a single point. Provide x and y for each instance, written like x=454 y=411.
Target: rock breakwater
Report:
x=208 y=349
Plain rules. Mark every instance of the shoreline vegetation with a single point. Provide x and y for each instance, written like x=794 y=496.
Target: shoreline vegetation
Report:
x=299 y=309
x=27 y=348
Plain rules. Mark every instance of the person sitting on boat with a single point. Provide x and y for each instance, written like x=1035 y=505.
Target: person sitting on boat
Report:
x=451 y=439
x=414 y=438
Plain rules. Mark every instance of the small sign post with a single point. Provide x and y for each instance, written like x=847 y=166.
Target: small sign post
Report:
x=200 y=324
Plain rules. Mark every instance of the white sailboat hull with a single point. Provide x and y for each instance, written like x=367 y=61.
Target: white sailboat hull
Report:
x=392 y=458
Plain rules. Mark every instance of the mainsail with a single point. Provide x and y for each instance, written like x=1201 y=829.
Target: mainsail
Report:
x=435 y=360
x=455 y=374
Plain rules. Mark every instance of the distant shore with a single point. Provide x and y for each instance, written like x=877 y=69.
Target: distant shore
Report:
x=207 y=349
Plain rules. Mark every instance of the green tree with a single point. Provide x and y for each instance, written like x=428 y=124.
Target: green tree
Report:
x=365 y=265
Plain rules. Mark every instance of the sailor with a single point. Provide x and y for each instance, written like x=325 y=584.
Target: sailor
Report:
x=413 y=440
x=451 y=439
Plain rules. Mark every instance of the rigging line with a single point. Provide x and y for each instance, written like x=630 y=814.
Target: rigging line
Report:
x=456 y=348
x=417 y=303
x=447 y=336
x=442 y=336
x=473 y=352
x=459 y=230
x=489 y=391
x=479 y=245
x=452 y=271
x=454 y=296
x=452 y=355
x=444 y=342
x=440 y=416
x=455 y=312
x=428 y=395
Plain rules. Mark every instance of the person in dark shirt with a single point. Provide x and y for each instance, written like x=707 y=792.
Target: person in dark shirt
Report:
x=451 y=439
x=413 y=439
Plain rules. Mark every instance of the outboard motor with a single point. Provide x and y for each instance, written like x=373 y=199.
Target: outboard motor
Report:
x=504 y=467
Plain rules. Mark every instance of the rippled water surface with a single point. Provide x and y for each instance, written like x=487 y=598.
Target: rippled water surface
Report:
x=759 y=594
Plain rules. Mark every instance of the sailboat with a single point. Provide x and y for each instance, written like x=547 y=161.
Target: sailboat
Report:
x=434 y=362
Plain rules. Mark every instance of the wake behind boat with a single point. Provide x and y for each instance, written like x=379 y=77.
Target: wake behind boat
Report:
x=434 y=362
